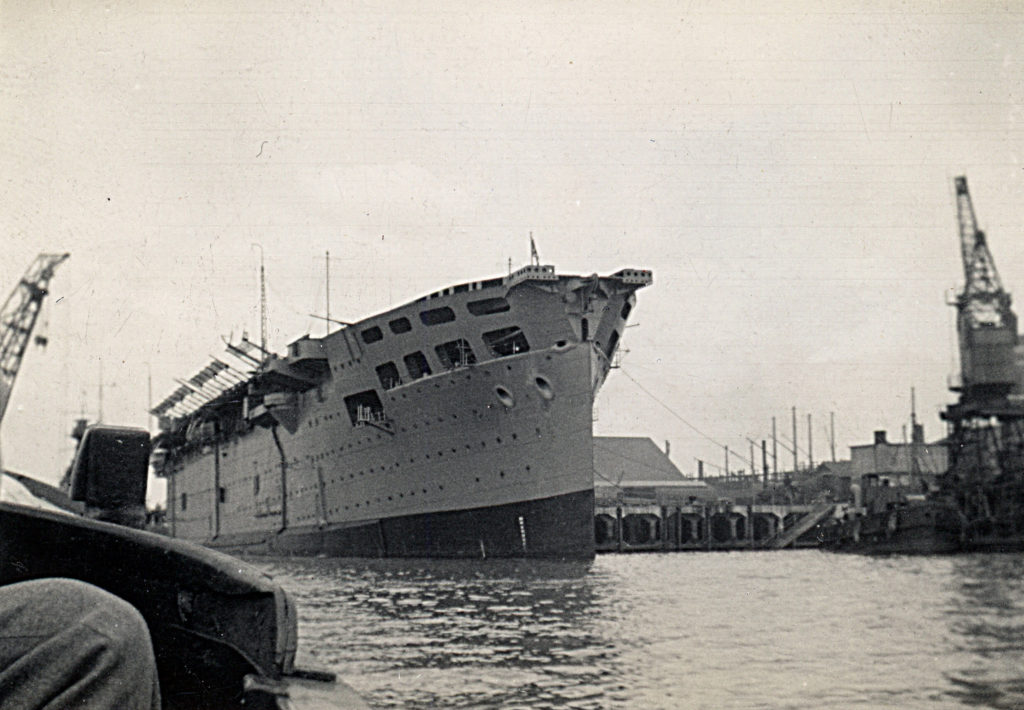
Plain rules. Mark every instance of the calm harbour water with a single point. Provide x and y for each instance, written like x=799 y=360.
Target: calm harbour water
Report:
x=803 y=629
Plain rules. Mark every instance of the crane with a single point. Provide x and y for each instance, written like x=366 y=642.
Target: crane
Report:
x=986 y=323
x=985 y=443
x=18 y=319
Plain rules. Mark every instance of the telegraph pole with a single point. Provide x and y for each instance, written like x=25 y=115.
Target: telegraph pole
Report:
x=810 y=443
x=764 y=461
x=796 y=463
x=775 y=452
x=832 y=434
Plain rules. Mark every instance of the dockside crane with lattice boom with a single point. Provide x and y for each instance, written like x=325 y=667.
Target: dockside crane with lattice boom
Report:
x=18 y=319
x=986 y=426
x=986 y=323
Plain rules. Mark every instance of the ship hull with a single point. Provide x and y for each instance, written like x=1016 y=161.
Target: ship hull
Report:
x=557 y=527
x=473 y=480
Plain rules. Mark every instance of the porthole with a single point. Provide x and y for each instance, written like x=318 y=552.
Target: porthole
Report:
x=544 y=387
x=505 y=397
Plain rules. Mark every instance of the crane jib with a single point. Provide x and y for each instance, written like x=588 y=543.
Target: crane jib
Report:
x=18 y=318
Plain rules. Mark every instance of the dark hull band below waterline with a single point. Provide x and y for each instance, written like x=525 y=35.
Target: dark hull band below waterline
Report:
x=560 y=527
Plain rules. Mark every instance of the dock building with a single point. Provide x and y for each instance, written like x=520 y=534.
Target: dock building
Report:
x=645 y=503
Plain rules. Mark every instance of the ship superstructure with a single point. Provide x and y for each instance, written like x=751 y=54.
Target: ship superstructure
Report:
x=459 y=424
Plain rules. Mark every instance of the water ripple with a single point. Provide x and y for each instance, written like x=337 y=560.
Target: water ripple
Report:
x=800 y=629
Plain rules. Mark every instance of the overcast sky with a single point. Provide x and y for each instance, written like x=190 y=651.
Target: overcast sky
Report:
x=787 y=175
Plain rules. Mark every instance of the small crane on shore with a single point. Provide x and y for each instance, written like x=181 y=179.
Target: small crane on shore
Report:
x=18 y=319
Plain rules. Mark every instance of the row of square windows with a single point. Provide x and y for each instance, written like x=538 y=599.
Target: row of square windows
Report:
x=453 y=354
x=436 y=316
x=502 y=342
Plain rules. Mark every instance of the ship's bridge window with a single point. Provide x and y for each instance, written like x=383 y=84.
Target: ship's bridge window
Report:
x=436 y=316
x=487 y=306
x=388 y=375
x=417 y=365
x=372 y=335
x=400 y=325
x=364 y=405
x=455 y=353
x=184 y=501
x=506 y=341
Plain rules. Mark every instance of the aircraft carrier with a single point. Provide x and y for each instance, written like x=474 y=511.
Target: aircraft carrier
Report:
x=455 y=425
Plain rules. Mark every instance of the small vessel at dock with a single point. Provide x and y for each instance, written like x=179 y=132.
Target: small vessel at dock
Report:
x=888 y=525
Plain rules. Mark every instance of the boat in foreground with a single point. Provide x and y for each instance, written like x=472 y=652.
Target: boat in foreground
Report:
x=455 y=425
x=224 y=634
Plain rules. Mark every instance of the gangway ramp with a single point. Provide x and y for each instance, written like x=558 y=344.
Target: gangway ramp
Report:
x=815 y=516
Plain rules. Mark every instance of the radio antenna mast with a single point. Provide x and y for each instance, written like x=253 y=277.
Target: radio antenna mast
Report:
x=263 y=308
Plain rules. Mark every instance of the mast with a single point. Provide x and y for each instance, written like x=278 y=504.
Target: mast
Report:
x=263 y=309
x=915 y=469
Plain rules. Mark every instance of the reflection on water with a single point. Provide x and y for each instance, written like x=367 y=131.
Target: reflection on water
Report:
x=987 y=614
x=800 y=629
x=449 y=633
